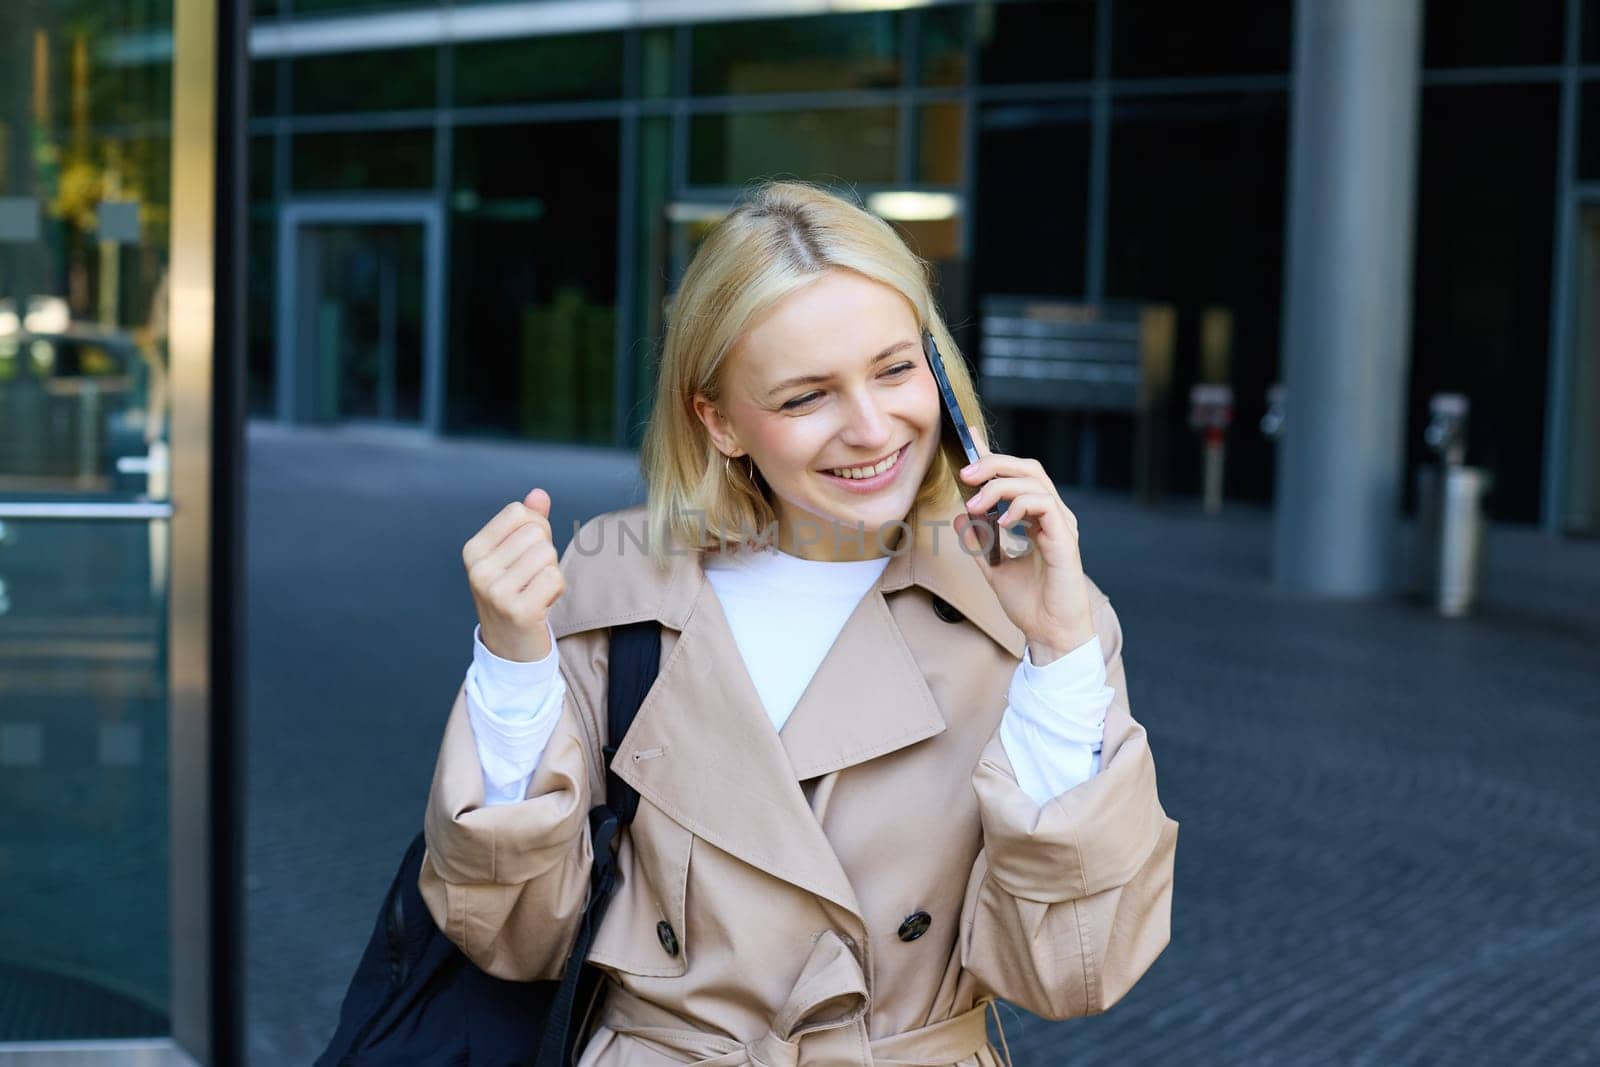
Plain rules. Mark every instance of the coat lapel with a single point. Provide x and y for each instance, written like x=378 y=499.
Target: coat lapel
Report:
x=703 y=751
x=702 y=748
x=869 y=697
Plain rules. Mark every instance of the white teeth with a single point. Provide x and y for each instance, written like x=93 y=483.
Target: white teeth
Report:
x=865 y=472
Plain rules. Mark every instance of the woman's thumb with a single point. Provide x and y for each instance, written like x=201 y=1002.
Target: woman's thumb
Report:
x=539 y=501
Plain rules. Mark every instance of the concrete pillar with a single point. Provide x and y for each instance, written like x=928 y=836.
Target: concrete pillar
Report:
x=1347 y=294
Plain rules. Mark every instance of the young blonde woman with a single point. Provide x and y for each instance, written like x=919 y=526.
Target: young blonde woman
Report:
x=883 y=781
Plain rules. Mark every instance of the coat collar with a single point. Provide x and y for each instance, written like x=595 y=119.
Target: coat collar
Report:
x=702 y=747
x=612 y=580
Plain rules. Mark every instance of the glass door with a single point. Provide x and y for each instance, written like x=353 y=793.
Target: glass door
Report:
x=361 y=319
x=88 y=848
x=359 y=285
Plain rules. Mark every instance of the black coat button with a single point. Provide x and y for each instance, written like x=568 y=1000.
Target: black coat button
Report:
x=669 y=940
x=945 y=611
x=915 y=926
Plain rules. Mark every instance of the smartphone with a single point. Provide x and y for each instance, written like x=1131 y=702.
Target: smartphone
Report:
x=959 y=442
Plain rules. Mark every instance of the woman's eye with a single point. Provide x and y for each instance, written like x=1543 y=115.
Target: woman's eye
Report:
x=799 y=401
x=900 y=368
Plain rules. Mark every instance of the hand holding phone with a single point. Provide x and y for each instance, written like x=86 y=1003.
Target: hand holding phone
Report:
x=958 y=437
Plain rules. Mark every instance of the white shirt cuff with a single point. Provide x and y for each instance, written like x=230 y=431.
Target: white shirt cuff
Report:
x=1055 y=720
x=507 y=683
x=514 y=708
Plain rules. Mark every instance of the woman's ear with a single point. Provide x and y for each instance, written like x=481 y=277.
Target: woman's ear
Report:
x=717 y=426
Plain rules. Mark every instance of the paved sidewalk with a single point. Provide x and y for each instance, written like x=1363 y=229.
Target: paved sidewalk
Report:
x=1390 y=830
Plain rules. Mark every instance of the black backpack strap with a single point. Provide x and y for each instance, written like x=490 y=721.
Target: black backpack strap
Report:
x=635 y=659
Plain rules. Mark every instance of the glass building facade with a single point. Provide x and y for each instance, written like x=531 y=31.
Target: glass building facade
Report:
x=547 y=178
x=118 y=487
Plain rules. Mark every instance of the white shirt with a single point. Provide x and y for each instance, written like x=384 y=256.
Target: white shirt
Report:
x=1052 y=727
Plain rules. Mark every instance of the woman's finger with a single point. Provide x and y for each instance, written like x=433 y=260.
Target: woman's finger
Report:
x=998 y=464
x=488 y=570
x=511 y=518
x=998 y=489
x=1033 y=506
x=506 y=588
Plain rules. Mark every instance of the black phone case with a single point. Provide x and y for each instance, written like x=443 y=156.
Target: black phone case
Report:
x=958 y=438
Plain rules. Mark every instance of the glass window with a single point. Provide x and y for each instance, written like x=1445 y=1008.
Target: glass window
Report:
x=262 y=166
x=533 y=281
x=576 y=67
x=797 y=55
x=855 y=144
x=1481 y=313
x=1487 y=33
x=1050 y=41
x=1589 y=131
x=942 y=135
x=653 y=277
x=261 y=276
x=364 y=81
x=1033 y=198
x=370 y=159
x=942 y=44
x=655 y=61
x=1160 y=39
x=264 y=97
x=333 y=7
x=1195 y=220
x=1589 y=44
x=85 y=221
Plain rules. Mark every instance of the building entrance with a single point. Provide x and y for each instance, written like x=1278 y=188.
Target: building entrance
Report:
x=357 y=309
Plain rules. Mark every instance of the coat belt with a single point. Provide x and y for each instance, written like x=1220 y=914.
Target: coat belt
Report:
x=830 y=994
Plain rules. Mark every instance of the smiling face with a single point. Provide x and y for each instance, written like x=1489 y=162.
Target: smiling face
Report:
x=830 y=395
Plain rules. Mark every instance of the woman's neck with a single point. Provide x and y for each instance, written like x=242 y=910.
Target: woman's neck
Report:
x=831 y=541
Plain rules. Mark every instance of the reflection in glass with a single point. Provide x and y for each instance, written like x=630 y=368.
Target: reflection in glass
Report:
x=942 y=44
x=533 y=281
x=1159 y=39
x=1481 y=304
x=84 y=221
x=941 y=143
x=381 y=159
x=655 y=62
x=1033 y=41
x=797 y=55
x=362 y=293
x=849 y=144
x=655 y=276
x=1485 y=33
x=1033 y=190
x=575 y=67
x=363 y=81
x=1220 y=244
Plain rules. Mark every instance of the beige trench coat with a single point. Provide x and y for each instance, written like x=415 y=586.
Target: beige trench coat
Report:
x=785 y=863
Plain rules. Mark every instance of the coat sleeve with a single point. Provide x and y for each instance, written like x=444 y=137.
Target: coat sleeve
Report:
x=508 y=882
x=1070 y=901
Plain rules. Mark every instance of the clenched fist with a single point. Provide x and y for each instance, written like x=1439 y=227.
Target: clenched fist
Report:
x=515 y=575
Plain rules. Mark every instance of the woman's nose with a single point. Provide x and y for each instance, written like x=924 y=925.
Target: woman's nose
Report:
x=867 y=425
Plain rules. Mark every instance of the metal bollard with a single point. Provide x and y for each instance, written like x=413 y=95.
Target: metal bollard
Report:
x=1450 y=551
x=1211 y=412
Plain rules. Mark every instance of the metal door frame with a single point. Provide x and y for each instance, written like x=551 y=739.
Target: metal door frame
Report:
x=302 y=212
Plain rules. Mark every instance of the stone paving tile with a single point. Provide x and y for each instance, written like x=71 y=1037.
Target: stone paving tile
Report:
x=1390 y=832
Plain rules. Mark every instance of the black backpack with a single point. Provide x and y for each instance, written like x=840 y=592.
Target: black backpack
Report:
x=416 y=999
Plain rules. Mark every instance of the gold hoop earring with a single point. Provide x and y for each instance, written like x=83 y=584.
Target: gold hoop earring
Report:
x=727 y=470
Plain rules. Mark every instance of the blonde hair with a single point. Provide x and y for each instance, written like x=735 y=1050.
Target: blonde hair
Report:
x=782 y=237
